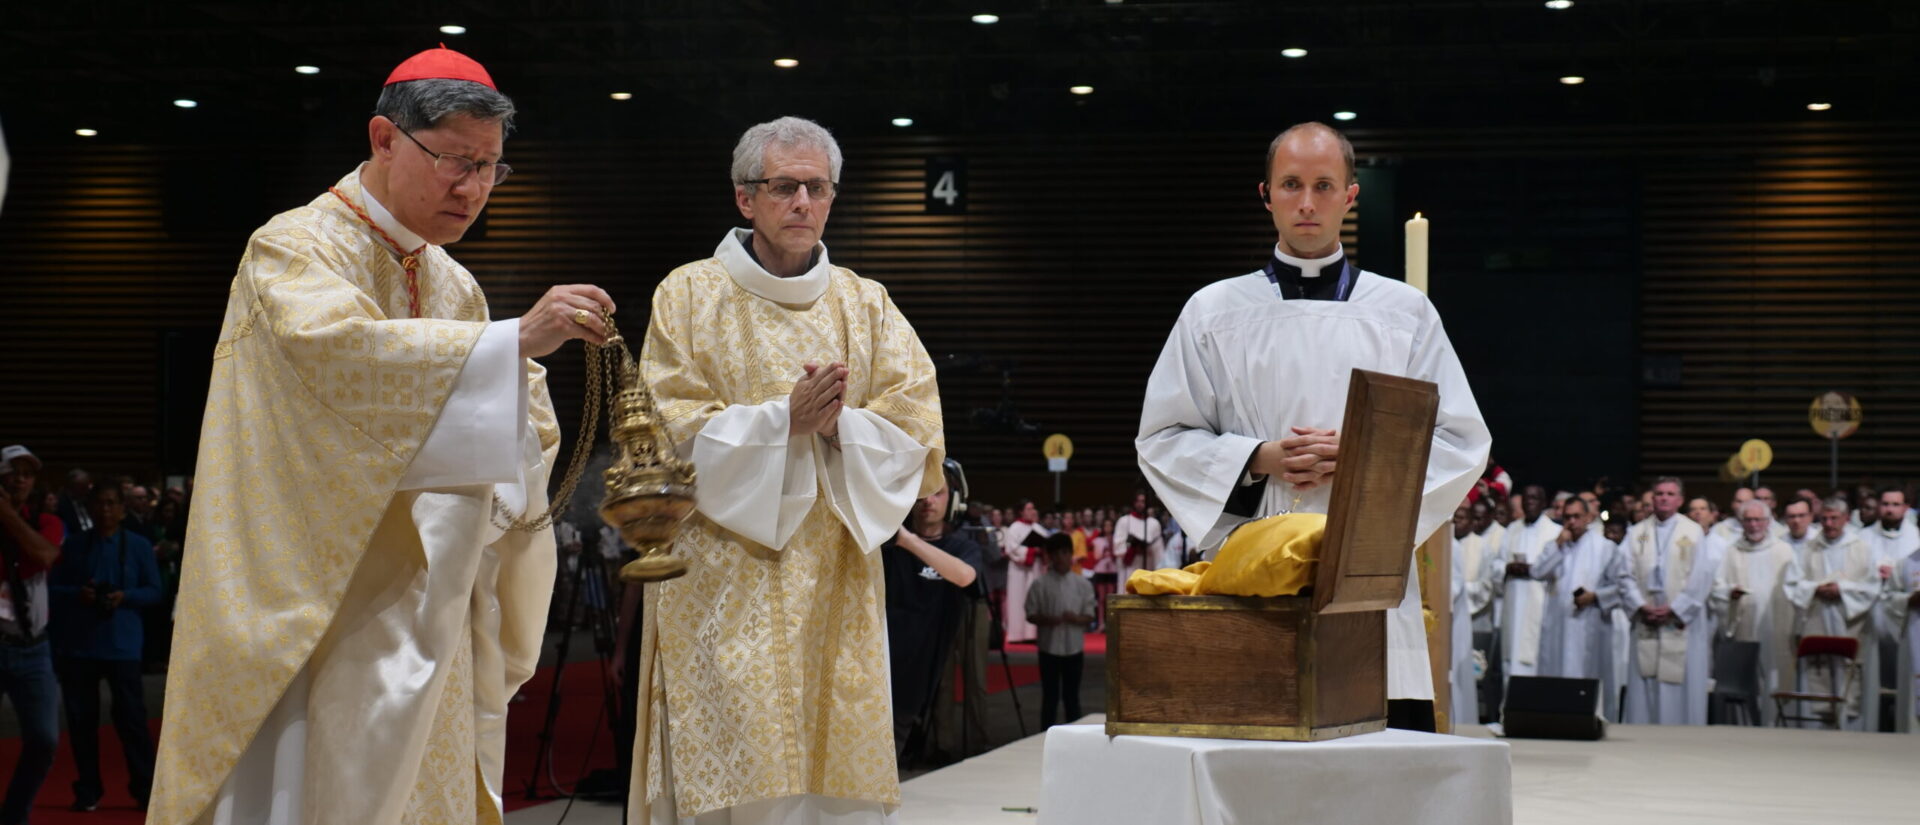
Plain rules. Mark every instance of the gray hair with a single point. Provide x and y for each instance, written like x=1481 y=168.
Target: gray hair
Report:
x=421 y=104
x=1673 y=480
x=1764 y=509
x=1837 y=504
x=750 y=154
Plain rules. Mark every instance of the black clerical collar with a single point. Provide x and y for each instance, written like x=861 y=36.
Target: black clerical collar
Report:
x=1333 y=283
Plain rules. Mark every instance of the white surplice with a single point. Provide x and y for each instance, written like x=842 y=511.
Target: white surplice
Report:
x=1024 y=564
x=1520 y=601
x=1493 y=542
x=1885 y=629
x=1243 y=365
x=1672 y=564
x=1144 y=528
x=1762 y=614
x=1577 y=642
x=1470 y=593
x=1905 y=583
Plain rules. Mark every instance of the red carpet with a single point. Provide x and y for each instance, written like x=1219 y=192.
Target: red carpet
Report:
x=578 y=724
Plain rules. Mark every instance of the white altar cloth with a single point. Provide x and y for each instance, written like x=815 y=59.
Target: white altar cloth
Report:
x=1393 y=777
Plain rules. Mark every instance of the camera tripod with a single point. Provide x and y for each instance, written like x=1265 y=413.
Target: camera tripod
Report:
x=590 y=571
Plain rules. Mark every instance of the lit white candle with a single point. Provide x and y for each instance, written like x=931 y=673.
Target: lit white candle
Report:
x=1417 y=253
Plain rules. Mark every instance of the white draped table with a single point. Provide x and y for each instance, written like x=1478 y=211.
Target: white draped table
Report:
x=1386 y=778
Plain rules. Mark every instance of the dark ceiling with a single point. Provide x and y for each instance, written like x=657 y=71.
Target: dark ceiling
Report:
x=704 y=67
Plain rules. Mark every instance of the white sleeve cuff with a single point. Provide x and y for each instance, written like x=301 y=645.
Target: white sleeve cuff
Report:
x=477 y=438
x=874 y=478
x=768 y=477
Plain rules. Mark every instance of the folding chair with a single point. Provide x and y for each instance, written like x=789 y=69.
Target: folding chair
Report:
x=1836 y=653
x=1736 y=683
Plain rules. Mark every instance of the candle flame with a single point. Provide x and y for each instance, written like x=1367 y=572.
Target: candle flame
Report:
x=1416 y=216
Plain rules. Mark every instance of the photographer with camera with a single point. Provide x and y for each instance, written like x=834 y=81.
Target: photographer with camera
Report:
x=934 y=576
x=103 y=578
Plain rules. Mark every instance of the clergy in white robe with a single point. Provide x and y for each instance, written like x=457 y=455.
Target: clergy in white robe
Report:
x=1903 y=607
x=1800 y=516
x=351 y=622
x=1138 y=543
x=1672 y=568
x=1892 y=538
x=810 y=409
x=1025 y=563
x=1584 y=575
x=1241 y=412
x=1493 y=536
x=1521 y=597
x=1833 y=586
x=1750 y=604
x=1472 y=595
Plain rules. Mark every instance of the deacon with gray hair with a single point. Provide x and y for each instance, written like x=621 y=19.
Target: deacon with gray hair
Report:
x=809 y=407
x=351 y=620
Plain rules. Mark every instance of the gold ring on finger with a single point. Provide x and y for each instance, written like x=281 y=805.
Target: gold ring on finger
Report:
x=581 y=317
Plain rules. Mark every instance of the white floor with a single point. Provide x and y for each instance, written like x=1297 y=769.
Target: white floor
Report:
x=1749 y=776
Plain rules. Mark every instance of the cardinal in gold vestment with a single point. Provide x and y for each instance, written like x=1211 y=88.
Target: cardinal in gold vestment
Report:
x=351 y=623
x=810 y=411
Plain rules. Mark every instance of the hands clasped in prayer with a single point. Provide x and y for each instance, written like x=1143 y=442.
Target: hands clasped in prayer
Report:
x=1305 y=459
x=567 y=311
x=814 y=405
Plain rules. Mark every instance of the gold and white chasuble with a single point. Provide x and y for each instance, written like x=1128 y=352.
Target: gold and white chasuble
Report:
x=765 y=666
x=350 y=624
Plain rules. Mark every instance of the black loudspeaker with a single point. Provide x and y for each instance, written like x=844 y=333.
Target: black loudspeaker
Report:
x=1541 y=707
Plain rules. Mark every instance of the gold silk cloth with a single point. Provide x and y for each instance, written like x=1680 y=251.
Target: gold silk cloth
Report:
x=322 y=393
x=1275 y=556
x=770 y=676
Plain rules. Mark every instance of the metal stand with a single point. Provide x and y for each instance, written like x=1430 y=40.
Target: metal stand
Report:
x=600 y=622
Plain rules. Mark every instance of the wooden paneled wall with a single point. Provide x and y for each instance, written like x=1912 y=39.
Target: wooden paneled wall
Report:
x=1778 y=262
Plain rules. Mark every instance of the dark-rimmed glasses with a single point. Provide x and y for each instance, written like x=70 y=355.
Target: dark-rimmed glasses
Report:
x=455 y=167
x=782 y=189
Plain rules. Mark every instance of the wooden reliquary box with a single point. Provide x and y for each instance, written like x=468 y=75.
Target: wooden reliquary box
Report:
x=1299 y=668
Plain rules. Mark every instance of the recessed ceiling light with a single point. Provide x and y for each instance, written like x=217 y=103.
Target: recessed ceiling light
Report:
x=1081 y=90
x=307 y=69
x=452 y=29
x=1344 y=115
x=621 y=95
x=986 y=19
x=786 y=62
x=903 y=122
x=185 y=103
x=1819 y=107
x=1559 y=5
x=85 y=132
x=1573 y=80
x=1295 y=52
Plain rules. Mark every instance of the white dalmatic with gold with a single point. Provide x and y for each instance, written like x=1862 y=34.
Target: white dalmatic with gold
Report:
x=1673 y=565
x=1243 y=365
x=351 y=624
x=1762 y=613
x=767 y=698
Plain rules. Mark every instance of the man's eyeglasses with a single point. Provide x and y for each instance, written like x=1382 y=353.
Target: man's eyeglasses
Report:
x=455 y=167
x=783 y=189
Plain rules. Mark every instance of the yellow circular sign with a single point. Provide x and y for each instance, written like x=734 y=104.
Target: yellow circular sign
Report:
x=1834 y=415
x=1756 y=455
x=1058 y=446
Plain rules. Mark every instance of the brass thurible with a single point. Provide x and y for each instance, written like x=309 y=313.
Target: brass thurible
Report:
x=650 y=491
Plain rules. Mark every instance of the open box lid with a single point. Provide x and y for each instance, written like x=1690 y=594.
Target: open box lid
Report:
x=1384 y=443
